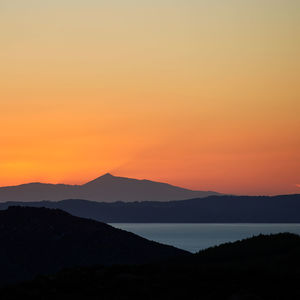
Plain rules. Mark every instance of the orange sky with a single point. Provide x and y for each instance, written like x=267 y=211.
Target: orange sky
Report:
x=201 y=94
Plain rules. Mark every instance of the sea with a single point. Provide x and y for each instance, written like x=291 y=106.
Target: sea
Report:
x=196 y=237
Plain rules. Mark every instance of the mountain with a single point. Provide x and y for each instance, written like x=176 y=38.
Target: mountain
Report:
x=40 y=241
x=106 y=188
x=264 y=267
x=213 y=209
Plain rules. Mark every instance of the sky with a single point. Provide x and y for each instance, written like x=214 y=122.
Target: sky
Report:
x=203 y=94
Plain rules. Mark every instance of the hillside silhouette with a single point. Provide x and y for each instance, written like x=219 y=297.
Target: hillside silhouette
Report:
x=106 y=188
x=258 y=268
x=213 y=209
x=40 y=241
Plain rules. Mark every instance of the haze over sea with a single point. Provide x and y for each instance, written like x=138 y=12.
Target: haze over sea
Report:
x=195 y=237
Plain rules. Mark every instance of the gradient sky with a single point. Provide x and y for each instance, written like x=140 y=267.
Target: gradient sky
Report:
x=203 y=94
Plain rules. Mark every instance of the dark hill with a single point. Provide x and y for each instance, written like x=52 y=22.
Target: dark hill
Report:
x=39 y=241
x=213 y=209
x=260 y=268
x=106 y=188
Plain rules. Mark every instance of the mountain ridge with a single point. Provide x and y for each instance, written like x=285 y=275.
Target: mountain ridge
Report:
x=212 y=209
x=106 y=188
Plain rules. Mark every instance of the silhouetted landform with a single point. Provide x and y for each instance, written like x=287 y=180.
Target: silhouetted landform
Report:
x=39 y=241
x=106 y=188
x=213 y=209
x=259 y=268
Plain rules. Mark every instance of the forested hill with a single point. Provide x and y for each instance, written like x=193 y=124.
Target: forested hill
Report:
x=260 y=268
x=41 y=241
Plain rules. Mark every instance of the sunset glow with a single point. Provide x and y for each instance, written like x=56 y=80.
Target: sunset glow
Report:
x=201 y=94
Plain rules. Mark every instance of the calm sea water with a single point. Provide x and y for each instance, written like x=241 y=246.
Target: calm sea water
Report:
x=194 y=237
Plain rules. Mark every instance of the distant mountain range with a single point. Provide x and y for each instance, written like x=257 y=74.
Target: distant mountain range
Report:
x=106 y=188
x=212 y=209
x=41 y=241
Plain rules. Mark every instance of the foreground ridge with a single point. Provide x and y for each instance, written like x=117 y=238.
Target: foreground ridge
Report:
x=40 y=241
x=262 y=267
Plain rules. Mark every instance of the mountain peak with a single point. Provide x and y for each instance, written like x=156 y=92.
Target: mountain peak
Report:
x=107 y=175
x=104 y=177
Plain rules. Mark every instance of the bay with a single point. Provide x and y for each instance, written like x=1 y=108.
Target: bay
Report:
x=195 y=237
